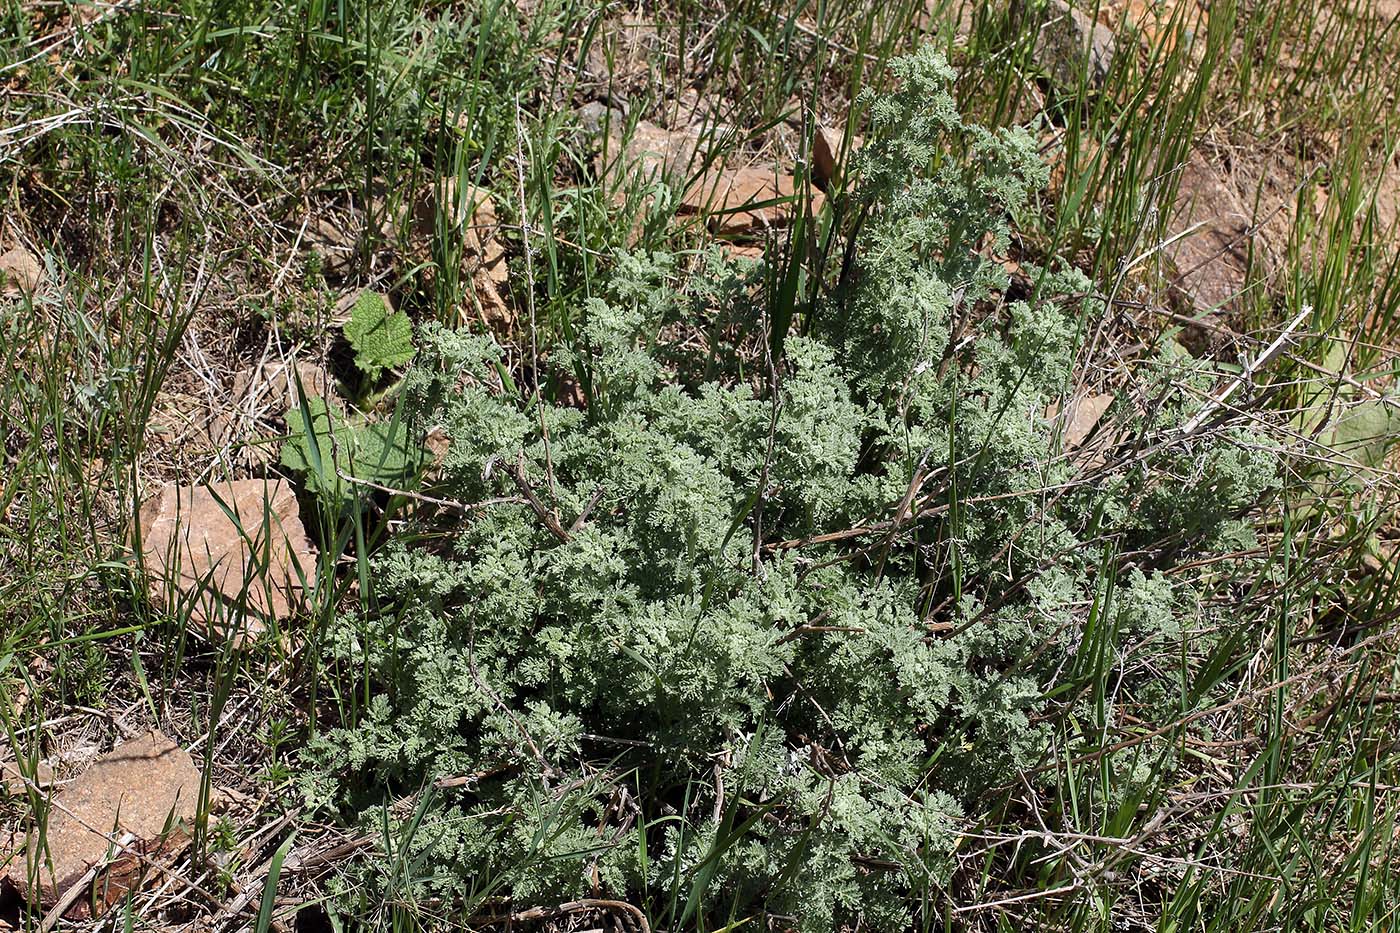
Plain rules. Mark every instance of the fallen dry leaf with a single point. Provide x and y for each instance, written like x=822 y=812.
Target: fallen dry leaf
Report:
x=437 y=443
x=148 y=788
x=827 y=143
x=20 y=271
x=228 y=556
x=1081 y=416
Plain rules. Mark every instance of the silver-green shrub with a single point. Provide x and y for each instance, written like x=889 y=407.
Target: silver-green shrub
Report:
x=654 y=704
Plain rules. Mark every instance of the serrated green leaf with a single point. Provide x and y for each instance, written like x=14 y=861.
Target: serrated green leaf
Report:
x=381 y=336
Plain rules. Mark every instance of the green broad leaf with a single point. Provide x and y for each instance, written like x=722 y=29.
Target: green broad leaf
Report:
x=1355 y=443
x=381 y=336
x=1324 y=393
x=269 y=895
x=1365 y=432
x=333 y=452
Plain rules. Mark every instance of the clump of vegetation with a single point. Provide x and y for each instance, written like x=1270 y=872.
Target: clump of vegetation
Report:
x=729 y=642
x=341 y=459
x=336 y=456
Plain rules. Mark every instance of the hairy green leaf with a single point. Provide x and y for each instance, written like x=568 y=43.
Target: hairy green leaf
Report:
x=382 y=337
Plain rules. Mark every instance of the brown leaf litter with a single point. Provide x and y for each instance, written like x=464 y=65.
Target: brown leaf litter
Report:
x=230 y=556
x=1079 y=417
x=107 y=829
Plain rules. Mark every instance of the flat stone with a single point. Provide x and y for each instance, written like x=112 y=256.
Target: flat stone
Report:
x=735 y=200
x=20 y=271
x=1071 y=43
x=273 y=384
x=226 y=555
x=828 y=143
x=596 y=118
x=1080 y=417
x=13 y=781
x=148 y=788
x=483 y=254
x=332 y=240
x=659 y=151
x=1210 y=249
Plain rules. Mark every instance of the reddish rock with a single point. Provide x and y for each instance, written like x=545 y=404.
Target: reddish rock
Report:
x=657 y=151
x=147 y=788
x=733 y=200
x=1210 y=239
x=14 y=779
x=1080 y=417
x=471 y=220
x=273 y=384
x=20 y=271
x=226 y=555
x=737 y=200
x=1072 y=44
x=828 y=143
